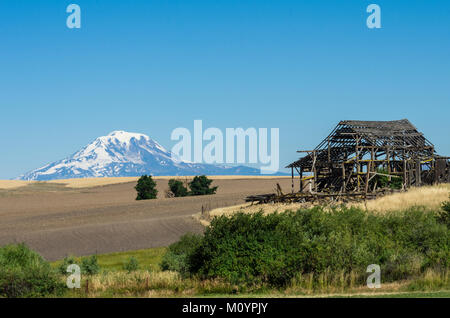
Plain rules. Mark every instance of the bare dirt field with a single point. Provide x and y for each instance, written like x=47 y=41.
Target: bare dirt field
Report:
x=58 y=220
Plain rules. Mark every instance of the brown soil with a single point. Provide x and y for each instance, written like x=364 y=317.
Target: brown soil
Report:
x=57 y=221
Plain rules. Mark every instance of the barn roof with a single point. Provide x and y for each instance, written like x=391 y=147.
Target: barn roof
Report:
x=396 y=134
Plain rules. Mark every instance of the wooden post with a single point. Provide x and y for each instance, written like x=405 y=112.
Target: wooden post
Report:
x=301 y=179
x=87 y=287
x=388 y=155
x=435 y=166
x=358 y=166
x=408 y=165
x=418 y=173
x=344 y=184
x=404 y=171
x=292 y=178
x=368 y=171
x=367 y=177
x=315 y=171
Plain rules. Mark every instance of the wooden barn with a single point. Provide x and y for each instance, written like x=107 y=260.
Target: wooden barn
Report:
x=363 y=156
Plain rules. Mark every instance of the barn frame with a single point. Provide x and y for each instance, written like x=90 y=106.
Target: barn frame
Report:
x=351 y=157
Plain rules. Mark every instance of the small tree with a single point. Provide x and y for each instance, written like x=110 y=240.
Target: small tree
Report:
x=177 y=188
x=89 y=265
x=68 y=260
x=131 y=265
x=146 y=188
x=200 y=186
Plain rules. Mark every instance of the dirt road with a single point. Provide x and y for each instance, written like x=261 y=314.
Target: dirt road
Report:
x=57 y=221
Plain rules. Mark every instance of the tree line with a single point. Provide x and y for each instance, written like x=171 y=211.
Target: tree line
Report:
x=200 y=185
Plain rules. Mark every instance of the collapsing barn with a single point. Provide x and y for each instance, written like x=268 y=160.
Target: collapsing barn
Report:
x=360 y=157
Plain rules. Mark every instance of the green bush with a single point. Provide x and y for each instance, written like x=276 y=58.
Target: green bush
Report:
x=383 y=181
x=175 y=259
x=131 y=265
x=200 y=185
x=68 y=260
x=89 y=265
x=446 y=206
x=274 y=248
x=444 y=215
x=146 y=188
x=24 y=273
x=177 y=188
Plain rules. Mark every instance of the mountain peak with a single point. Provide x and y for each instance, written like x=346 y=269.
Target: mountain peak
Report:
x=123 y=154
x=124 y=136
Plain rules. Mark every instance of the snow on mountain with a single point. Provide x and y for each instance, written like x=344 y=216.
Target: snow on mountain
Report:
x=125 y=154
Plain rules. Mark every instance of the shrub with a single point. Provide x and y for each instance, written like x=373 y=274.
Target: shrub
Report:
x=383 y=180
x=177 y=188
x=200 y=185
x=146 y=188
x=175 y=259
x=274 y=248
x=89 y=265
x=24 y=273
x=131 y=265
x=446 y=206
x=68 y=260
x=444 y=215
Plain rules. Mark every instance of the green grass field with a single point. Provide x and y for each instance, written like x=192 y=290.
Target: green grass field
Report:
x=149 y=259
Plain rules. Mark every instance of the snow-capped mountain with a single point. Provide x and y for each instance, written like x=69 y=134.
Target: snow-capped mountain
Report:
x=124 y=154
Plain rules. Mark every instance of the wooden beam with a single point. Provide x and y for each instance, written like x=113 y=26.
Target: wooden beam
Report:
x=344 y=184
x=292 y=179
x=301 y=179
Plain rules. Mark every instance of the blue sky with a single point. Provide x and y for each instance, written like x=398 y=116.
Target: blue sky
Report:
x=152 y=66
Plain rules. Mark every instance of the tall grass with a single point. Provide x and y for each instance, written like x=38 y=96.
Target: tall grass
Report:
x=171 y=284
x=147 y=283
x=427 y=197
x=431 y=280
